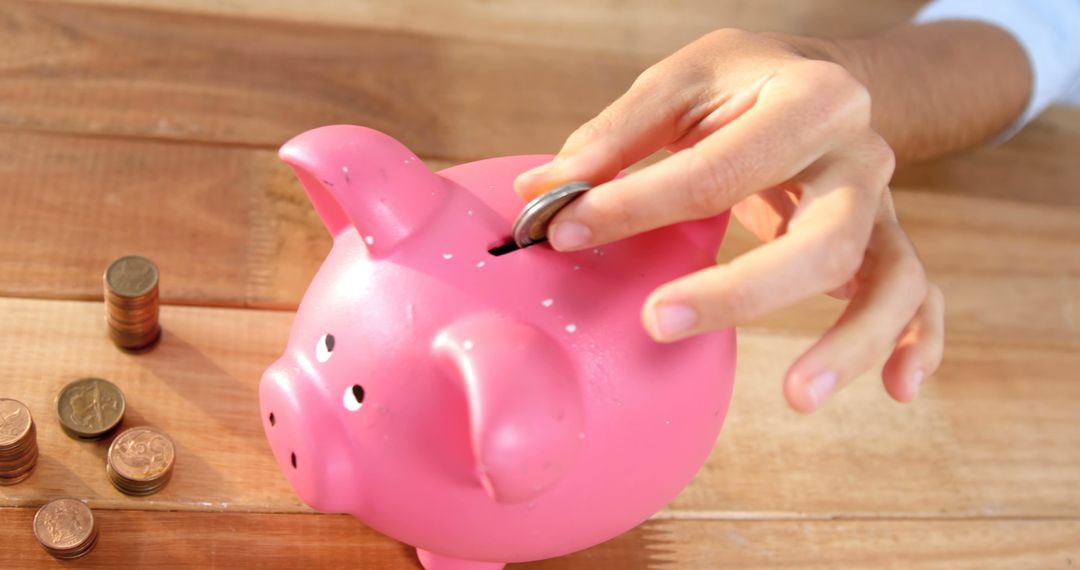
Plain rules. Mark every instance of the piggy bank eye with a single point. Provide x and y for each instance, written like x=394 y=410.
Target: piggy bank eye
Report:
x=324 y=347
x=353 y=397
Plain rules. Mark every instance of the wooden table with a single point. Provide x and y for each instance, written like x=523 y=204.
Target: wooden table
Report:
x=150 y=127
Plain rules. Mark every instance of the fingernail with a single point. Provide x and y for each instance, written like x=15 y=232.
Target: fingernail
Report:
x=820 y=387
x=543 y=168
x=534 y=172
x=529 y=177
x=569 y=235
x=526 y=179
x=673 y=320
x=916 y=381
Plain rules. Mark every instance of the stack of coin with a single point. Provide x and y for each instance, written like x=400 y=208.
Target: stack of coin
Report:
x=90 y=408
x=18 y=442
x=140 y=461
x=131 y=302
x=65 y=528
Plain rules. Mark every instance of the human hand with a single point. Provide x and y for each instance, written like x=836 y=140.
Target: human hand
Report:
x=762 y=125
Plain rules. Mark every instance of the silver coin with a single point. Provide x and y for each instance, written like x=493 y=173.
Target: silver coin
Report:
x=532 y=224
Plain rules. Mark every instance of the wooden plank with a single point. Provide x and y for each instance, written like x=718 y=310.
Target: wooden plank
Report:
x=994 y=434
x=242 y=540
x=231 y=226
x=1009 y=269
x=128 y=72
x=459 y=98
x=980 y=472
x=1037 y=166
x=871 y=545
x=209 y=216
x=140 y=539
x=199 y=385
x=226 y=226
x=621 y=26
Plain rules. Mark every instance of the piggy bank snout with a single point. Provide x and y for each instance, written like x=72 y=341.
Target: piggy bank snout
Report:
x=307 y=439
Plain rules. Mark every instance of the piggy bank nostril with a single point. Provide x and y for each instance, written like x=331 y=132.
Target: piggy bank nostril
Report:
x=293 y=459
x=273 y=421
x=353 y=397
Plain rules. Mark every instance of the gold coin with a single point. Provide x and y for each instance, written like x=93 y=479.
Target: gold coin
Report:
x=142 y=454
x=64 y=525
x=90 y=408
x=131 y=276
x=15 y=422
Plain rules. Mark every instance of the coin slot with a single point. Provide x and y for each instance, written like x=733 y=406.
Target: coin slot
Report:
x=504 y=248
x=273 y=422
x=293 y=459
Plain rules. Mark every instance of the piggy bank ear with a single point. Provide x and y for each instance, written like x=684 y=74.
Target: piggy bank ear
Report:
x=525 y=409
x=360 y=178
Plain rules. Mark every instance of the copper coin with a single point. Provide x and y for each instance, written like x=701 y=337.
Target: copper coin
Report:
x=131 y=303
x=23 y=473
x=131 y=276
x=140 y=460
x=90 y=408
x=24 y=463
x=65 y=527
x=132 y=339
x=16 y=454
x=15 y=422
x=18 y=442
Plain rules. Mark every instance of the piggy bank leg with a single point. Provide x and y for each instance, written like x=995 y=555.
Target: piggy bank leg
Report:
x=432 y=561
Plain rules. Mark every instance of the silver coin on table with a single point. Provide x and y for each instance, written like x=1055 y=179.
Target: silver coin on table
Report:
x=532 y=224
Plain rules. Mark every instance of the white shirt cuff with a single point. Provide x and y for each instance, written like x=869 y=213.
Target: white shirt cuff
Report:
x=1049 y=32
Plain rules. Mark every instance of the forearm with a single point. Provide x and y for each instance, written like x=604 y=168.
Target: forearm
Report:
x=940 y=87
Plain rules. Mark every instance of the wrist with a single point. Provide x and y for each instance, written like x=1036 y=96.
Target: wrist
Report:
x=847 y=53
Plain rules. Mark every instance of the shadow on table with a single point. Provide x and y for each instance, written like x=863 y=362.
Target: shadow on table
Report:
x=231 y=404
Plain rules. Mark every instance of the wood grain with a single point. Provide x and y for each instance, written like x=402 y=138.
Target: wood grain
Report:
x=212 y=540
x=245 y=540
x=199 y=386
x=871 y=545
x=230 y=226
x=125 y=72
x=1038 y=166
x=226 y=225
x=1010 y=269
x=994 y=433
x=210 y=217
x=149 y=126
x=88 y=69
x=619 y=26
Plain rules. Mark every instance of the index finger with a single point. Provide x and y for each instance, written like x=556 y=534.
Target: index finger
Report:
x=770 y=143
x=655 y=111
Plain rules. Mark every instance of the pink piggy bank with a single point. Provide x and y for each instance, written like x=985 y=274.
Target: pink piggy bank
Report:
x=484 y=408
